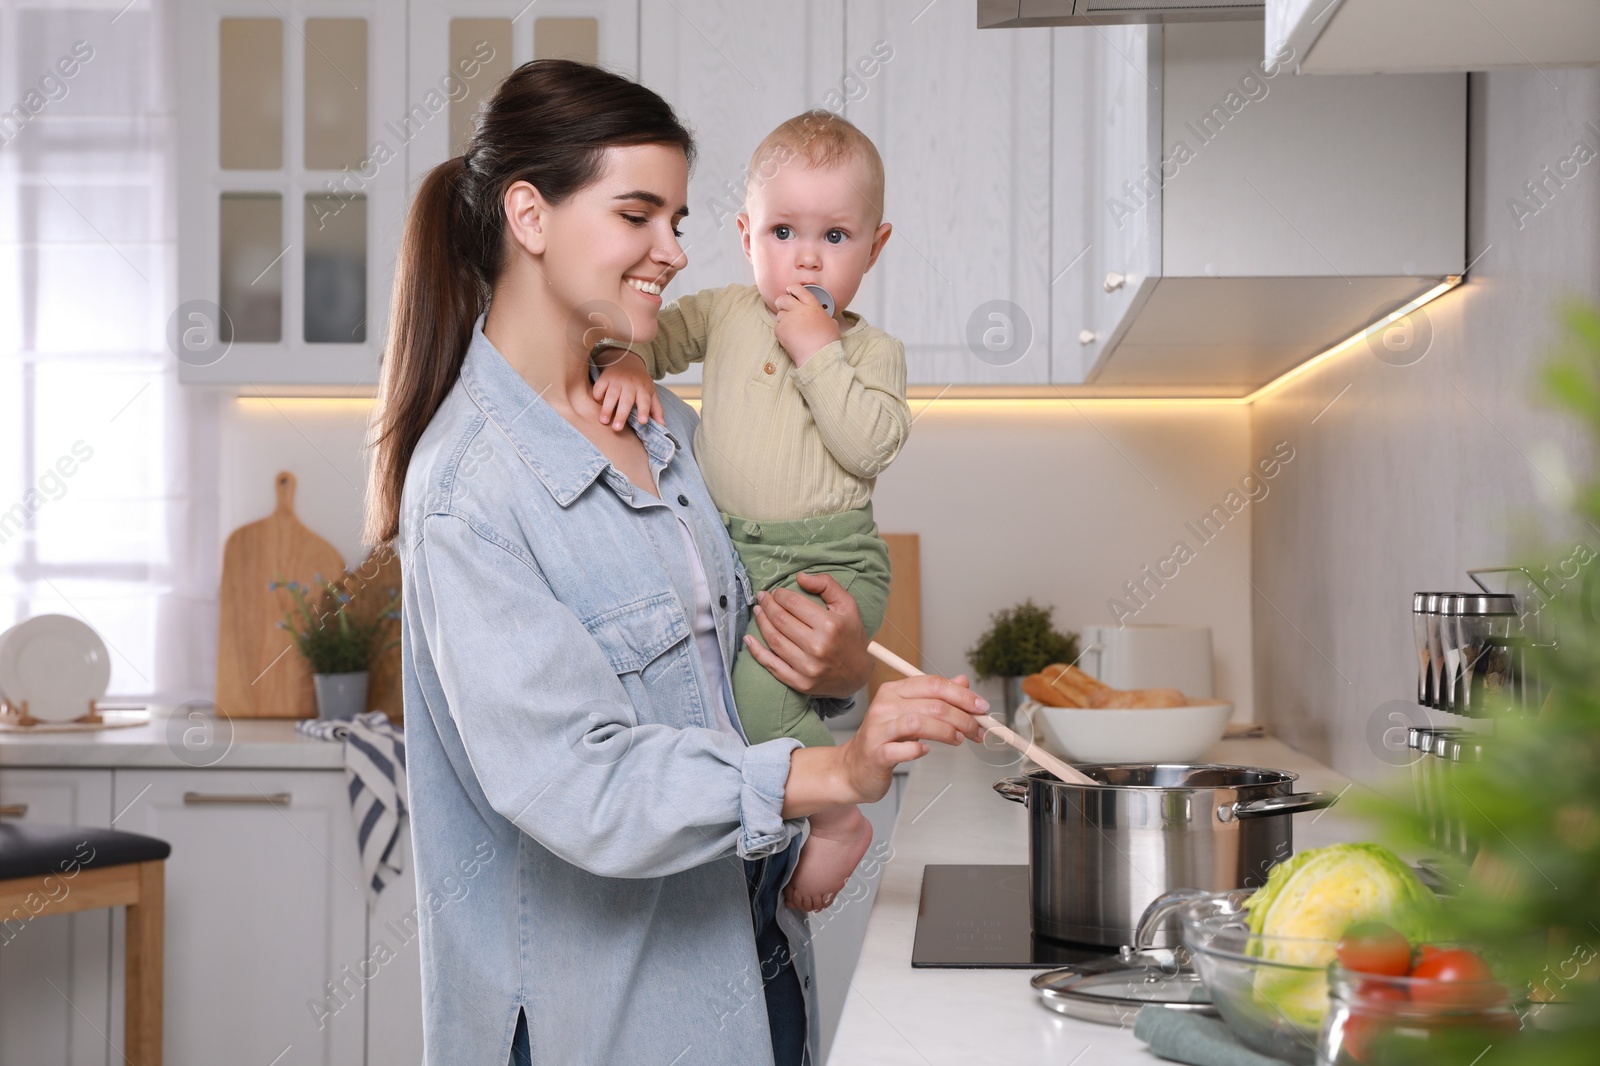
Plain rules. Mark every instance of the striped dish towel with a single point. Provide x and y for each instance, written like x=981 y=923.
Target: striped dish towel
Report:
x=375 y=770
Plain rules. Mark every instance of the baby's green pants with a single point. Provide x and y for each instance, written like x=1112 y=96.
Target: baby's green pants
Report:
x=845 y=546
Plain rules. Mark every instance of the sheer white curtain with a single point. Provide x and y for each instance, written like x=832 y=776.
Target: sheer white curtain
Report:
x=108 y=476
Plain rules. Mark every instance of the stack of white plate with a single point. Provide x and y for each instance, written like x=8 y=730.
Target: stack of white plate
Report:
x=55 y=664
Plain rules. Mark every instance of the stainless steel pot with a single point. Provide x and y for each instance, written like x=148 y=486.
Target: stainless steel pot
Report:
x=1099 y=854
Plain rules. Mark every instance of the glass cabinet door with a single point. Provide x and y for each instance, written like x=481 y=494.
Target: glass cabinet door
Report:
x=460 y=51
x=292 y=189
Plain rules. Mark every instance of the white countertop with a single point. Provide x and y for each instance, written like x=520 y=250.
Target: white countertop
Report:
x=950 y=814
x=177 y=738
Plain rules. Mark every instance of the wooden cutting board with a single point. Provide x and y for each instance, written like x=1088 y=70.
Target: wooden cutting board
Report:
x=901 y=632
x=370 y=585
x=260 y=673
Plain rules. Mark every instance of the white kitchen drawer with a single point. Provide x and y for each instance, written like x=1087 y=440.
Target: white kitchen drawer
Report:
x=265 y=908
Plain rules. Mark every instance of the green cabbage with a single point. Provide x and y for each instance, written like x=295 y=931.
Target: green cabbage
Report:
x=1320 y=893
x=1312 y=899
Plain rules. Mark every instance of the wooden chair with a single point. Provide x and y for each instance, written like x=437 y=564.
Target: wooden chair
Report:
x=58 y=869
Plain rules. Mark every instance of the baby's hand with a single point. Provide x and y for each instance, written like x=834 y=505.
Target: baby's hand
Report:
x=624 y=384
x=803 y=327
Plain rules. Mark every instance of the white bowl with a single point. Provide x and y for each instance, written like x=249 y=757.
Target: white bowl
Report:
x=1150 y=734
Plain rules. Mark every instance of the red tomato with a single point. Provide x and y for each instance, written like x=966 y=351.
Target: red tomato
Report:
x=1374 y=996
x=1359 y=1032
x=1373 y=947
x=1455 y=978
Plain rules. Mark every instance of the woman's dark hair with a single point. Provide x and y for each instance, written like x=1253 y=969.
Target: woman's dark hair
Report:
x=548 y=124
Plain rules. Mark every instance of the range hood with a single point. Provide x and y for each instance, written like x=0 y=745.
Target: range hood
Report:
x=1010 y=14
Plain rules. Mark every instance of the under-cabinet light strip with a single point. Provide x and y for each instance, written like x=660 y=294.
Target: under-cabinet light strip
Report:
x=990 y=403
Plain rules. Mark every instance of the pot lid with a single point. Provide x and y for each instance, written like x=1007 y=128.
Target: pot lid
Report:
x=1113 y=990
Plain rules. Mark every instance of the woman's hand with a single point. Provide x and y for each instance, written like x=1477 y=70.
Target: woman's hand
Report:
x=819 y=649
x=904 y=716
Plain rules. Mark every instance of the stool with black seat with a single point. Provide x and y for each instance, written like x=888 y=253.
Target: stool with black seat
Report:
x=58 y=869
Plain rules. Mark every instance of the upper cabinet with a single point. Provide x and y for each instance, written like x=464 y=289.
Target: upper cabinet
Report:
x=1137 y=207
x=1242 y=220
x=291 y=185
x=732 y=71
x=1386 y=36
x=460 y=52
x=301 y=128
x=962 y=120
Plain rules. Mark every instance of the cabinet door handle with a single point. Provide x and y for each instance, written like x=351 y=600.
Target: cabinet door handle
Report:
x=277 y=799
x=1087 y=336
x=13 y=810
x=1115 y=281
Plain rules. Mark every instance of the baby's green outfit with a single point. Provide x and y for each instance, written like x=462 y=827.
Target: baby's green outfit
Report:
x=790 y=454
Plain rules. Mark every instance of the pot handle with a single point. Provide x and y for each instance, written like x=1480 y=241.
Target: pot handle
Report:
x=1294 y=803
x=1014 y=789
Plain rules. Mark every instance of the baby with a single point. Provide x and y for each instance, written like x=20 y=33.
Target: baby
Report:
x=801 y=410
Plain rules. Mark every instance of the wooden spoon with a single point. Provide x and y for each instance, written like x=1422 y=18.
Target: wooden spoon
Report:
x=991 y=725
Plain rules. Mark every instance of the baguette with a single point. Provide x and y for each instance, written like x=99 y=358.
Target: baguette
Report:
x=1064 y=685
x=1035 y=687
x=1138 y=698
x=1069 y=679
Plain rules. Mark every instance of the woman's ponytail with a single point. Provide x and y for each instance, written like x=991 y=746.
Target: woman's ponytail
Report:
x=548 y=124
x=437 y=298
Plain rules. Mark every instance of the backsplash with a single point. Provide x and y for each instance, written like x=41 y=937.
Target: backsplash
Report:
x=1429 y=454
x=1011 y=500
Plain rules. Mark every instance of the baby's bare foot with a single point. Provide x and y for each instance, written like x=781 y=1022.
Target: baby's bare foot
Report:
x=839 y=837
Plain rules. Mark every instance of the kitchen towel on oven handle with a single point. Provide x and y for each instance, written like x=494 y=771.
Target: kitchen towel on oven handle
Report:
x=375 y=770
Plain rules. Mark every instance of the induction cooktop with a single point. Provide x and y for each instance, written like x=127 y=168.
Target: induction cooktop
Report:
x=974 y=917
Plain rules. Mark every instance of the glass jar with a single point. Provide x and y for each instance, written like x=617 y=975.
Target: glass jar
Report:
x=1484 y=628
x=1424 y=609
x=1395 y=1021
x=1448 y=662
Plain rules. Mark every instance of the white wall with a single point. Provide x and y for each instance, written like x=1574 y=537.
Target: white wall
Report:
x=1011 y=501
x=1419 y=472
x=1016 y=501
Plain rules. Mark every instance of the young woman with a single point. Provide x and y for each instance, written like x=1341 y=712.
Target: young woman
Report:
x=598 y=850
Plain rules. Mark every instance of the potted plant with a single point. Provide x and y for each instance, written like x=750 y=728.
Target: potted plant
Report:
x=1020 y=641
x=339 y=645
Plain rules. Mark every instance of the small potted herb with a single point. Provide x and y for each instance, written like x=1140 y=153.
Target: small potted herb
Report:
x=1020 y=641
x=340 y=646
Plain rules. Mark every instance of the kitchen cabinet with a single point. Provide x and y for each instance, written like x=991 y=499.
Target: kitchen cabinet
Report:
x=458 y=53
x=1385 y=37
x=964 y=279
x=837 y=932
x=266 y=917
x=1242 y=220
x=55 y=995
x=299 y=126
x=291 y=125
x=962 y=121
x=732 y=72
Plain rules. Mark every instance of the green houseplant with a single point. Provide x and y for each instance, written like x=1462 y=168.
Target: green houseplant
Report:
x=1020 y=640
x=340 y=645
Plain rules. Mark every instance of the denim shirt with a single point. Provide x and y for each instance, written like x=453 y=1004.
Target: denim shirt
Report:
x=578 y=822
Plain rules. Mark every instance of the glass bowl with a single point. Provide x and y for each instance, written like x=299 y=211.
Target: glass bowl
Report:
x=1404 y=1020
x=1271 y=990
